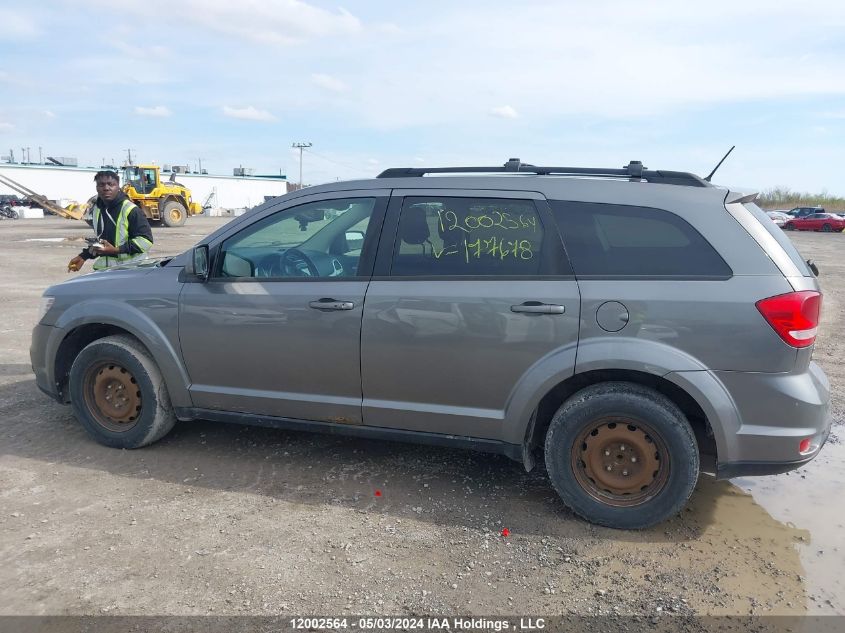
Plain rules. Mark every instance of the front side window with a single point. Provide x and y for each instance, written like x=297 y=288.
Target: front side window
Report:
x=628 y=241
x=454 y=236
x=320 y=239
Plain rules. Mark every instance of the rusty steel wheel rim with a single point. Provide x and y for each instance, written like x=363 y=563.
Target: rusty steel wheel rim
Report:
x=175 y=215
x=113 y=396
x=620 y=461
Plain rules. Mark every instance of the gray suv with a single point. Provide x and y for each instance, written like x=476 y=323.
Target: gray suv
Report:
x=630 y=328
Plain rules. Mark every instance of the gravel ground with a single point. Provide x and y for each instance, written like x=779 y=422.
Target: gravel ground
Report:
x=220 y=519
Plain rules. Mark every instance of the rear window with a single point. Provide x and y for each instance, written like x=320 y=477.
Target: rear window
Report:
x=782 y=239
x=628 y=241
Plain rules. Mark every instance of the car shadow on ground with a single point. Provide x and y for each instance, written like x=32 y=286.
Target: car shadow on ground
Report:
x=438 y=485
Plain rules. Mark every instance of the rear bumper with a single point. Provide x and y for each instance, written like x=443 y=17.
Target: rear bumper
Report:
x=754 y=469
x=775 y=413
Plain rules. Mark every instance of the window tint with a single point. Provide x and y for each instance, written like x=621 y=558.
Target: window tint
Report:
x=785 y=243
x=319 y=239
x=619 y=240
x=451 y=236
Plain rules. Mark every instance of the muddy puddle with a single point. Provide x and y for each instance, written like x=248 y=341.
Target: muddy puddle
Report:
x=809 y=505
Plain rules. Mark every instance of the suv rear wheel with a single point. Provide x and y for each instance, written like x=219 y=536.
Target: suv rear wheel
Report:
x=118 y=394
x=622 y=455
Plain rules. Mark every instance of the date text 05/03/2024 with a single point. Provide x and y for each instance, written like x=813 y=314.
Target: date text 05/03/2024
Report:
x=474 y=624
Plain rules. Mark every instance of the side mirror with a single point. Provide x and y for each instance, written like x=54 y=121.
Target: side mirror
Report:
x=197 y=265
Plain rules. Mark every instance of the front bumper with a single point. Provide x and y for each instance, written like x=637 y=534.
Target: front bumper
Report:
x=38 y=358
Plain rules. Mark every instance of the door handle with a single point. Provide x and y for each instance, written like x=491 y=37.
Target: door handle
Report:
x=331 y=304
x=535 y=307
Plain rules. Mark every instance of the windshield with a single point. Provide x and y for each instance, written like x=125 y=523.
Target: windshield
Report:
x=132 y=176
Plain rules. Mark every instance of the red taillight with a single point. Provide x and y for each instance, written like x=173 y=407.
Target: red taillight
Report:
x=804 y=446
x=794 y=316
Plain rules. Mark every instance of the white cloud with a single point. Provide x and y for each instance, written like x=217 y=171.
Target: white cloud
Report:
x=505 y=112
x=388 y=28
x=373 y=161
x=249 y=113
x=49 y=114
x=155 y=111
x=276 y=22
x=16 y=25
x=6 y=127
x=142 y=53
x=704 y=60
x=328 y=82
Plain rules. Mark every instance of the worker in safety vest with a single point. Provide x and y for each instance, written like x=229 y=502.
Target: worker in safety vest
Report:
x=123 y=233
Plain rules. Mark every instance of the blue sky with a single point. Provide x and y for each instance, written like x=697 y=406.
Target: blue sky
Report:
x=384 y=84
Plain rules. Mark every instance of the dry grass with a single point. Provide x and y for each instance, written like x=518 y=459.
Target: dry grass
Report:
x=783 y=198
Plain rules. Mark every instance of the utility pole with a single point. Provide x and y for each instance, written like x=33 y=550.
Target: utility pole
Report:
x=129 y=152
x=28 y=156
x=40 y=157
x=300 y=146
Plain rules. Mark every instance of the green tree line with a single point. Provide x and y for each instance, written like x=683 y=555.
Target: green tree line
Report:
x=783 y=198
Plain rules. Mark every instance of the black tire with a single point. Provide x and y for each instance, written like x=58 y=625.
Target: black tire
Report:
x=174 y=213
x=789 y=226
x=827 y=228
x=642 y=418
x=109 y=368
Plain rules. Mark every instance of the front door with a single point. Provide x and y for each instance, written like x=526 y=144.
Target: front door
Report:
x=276 y=329
x=474 y=291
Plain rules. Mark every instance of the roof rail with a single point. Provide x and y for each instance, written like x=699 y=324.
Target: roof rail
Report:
x=633 y=171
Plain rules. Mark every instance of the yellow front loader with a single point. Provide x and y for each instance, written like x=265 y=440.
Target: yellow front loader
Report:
x=73 y=212
x=170 y=202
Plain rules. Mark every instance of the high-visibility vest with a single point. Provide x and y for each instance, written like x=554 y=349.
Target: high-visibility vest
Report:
x=121 y=237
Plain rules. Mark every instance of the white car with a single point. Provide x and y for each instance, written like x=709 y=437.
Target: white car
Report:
x=778 y=217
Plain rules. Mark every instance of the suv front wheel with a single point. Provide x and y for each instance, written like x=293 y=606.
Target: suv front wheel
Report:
x=118 y=394
x=622 y=455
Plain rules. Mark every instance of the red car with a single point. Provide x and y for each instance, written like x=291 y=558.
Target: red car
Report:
x=826 y=222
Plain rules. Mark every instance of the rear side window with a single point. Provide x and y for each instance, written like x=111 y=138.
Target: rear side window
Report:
x=456 y=237
x=612 y=240
x=785 y=243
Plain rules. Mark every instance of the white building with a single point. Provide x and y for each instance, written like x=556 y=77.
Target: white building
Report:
x=77 y=184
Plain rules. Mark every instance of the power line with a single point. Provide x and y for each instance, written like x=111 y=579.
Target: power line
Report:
x=336 y=162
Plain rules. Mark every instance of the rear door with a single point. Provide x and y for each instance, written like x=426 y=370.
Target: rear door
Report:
x=472 y=291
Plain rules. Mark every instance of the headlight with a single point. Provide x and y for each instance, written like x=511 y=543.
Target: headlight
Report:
x=46 y=304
